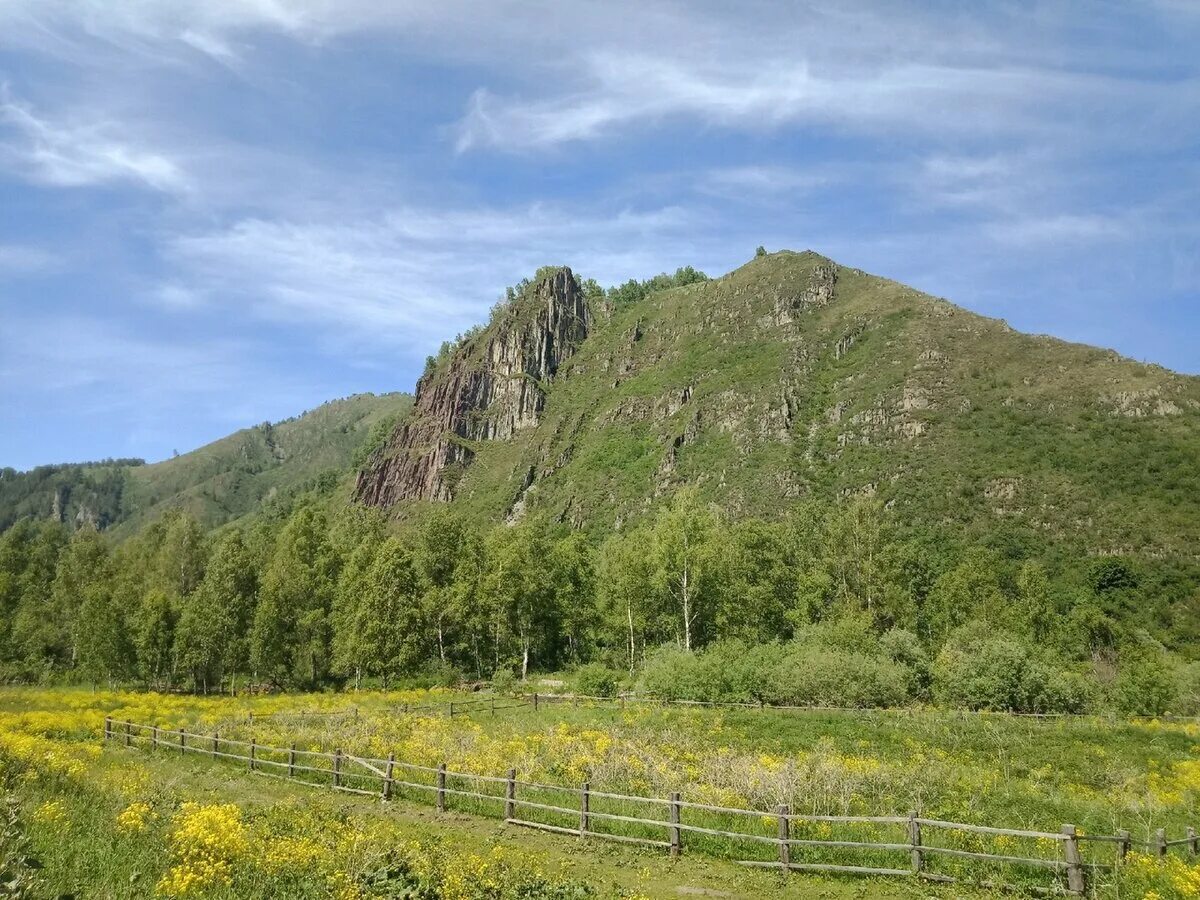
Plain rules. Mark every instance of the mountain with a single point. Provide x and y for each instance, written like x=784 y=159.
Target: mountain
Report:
x=216 y=483
x=795 y=377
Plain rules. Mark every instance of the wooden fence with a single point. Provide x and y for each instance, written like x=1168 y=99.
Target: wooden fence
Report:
x=916 y=846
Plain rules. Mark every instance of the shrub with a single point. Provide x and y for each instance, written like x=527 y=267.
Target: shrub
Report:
x=1146 y=686
x=982 y=669
x=1188 y=703
x=728 y=671
x=904 y=647
x=815 y=677
x=504 y=682
x=596 y=680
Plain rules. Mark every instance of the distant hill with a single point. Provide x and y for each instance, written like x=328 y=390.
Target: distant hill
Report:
x=795 y=377
x=216 y=483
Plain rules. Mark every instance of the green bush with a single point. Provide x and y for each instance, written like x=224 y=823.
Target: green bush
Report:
x=1188 y=679
x=596 y=680
x=986 y=669
x=504 y=682
x=1146 y=685
x=729 y=671
x=904 y=647
x=814 y=677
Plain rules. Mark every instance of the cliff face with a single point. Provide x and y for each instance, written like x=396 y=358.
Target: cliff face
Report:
x=489 y=389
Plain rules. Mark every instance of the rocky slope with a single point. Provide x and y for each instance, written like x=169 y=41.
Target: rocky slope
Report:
x=491 y=388
x=794 y=377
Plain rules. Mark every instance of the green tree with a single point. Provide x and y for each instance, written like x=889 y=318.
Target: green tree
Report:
x=1036 y=606
x=686 y=564
x=349 y=653
x=290 y=637
x=153 y=632
x=216 y=617
x=517 y=592
x=82 y=572
x=105 y=647
x=439 y=545
x=389 y=628
x=623 y=591
x=573 y=583
x=970 y=590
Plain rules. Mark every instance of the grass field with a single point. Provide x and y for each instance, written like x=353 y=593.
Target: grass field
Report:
x=116 y=822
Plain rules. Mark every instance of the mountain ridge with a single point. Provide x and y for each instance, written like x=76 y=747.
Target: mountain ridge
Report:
x=793 y=376
x=217 y=482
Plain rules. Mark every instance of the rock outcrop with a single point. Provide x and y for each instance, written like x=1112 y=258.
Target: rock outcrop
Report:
x=492 y=386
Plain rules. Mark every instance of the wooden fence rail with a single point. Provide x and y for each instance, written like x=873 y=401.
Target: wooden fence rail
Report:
x=628 y=818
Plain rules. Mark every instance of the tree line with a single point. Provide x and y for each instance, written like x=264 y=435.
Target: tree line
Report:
x=318 y=597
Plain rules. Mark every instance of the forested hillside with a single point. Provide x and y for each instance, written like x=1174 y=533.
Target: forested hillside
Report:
x=796 y=483
x=216 y=483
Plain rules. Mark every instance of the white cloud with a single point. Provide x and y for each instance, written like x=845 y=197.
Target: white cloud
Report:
x=1056 y=229
x=79 y=153
x=413 y=276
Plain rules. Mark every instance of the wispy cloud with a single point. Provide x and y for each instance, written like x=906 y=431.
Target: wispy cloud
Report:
x=78 y=153
x=411 y=276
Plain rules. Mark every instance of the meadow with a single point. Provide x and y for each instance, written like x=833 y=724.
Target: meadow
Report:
x=104 y=820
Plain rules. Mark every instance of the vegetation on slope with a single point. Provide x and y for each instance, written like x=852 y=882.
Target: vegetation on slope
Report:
x=217 y=483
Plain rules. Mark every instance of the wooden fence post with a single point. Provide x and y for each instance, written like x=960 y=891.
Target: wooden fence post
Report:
x=182 y=740
x=107 y=728
x=535 y=701
x=1124 y=845
x=785 y=849
x=493 y=706
x=676 y=841
x=1074 y=862
x=387 y=776
x=337 y=767
x=914 y=838
x=292 y=760
x=450 y=710
x=153 y=737
x=1193 y=845
x=584 y=809
x=441 y=787
x=252 y=748
x=510 y=796
x=128 y=735
x=216 y=743
x=1160 y=842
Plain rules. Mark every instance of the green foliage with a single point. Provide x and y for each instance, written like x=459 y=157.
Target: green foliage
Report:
x=982 y=668
x=1147 y=685
x=18 y=866
x=633 y=291
x=596 y=680
x=504 y=682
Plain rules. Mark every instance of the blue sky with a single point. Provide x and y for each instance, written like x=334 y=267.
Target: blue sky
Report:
x=214 y=213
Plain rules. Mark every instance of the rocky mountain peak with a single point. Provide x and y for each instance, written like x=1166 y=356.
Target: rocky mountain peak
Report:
x=492 y=386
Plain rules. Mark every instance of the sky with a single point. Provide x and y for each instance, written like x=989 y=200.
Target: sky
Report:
x=215 y=213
